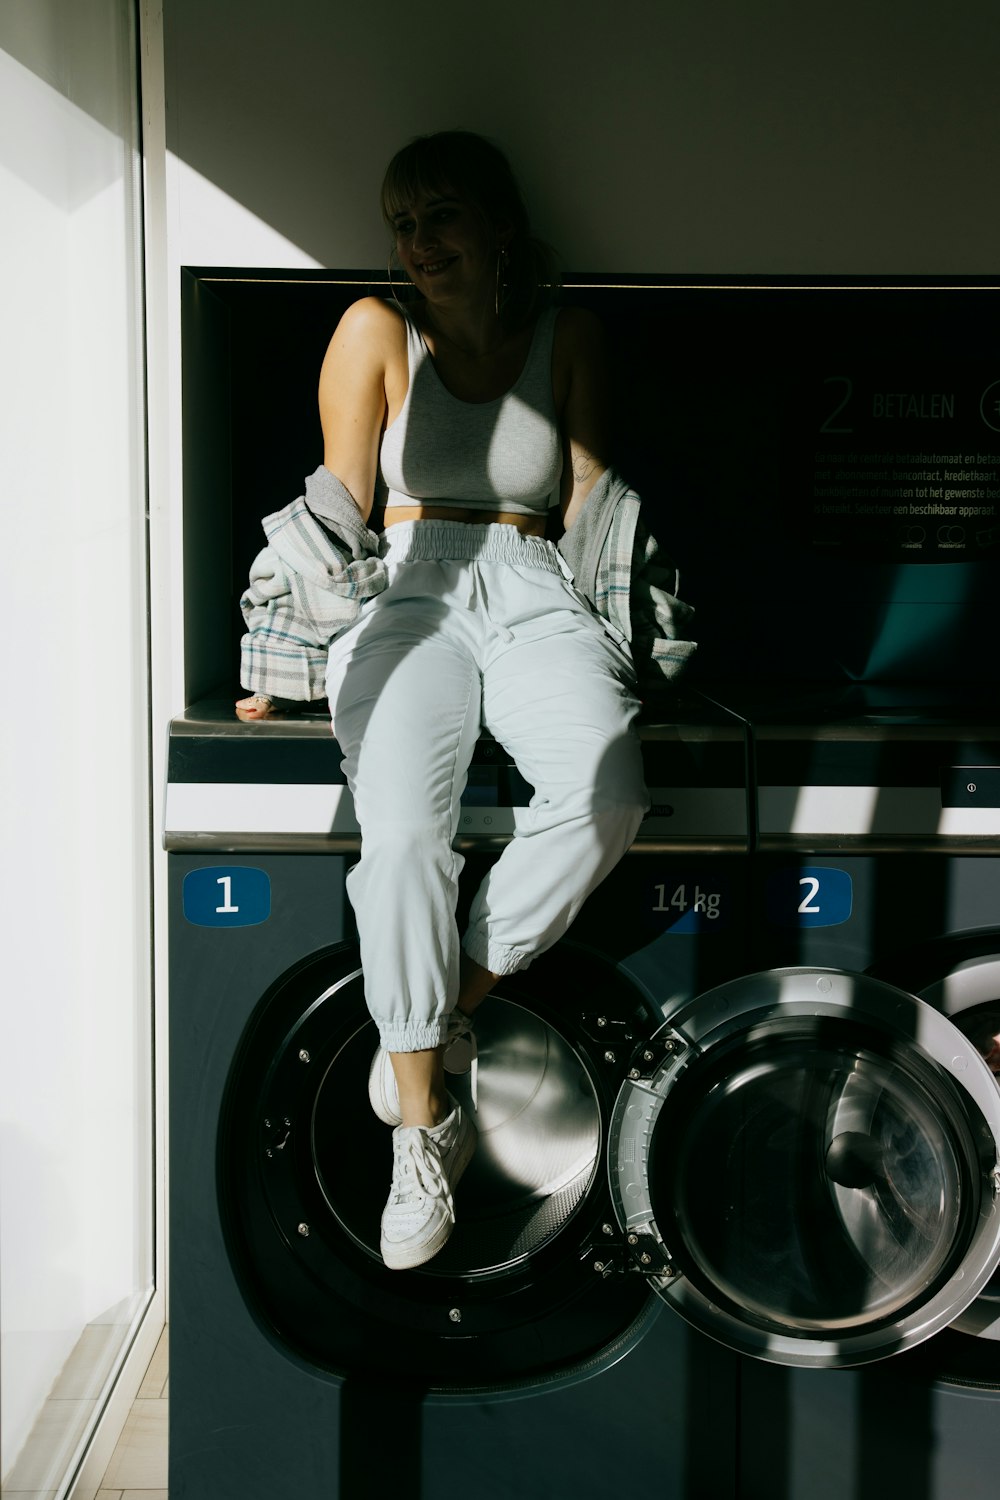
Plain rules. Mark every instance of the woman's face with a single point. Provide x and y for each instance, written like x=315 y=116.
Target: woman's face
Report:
x=443 y=246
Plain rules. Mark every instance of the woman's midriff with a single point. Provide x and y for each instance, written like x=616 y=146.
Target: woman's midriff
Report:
x=527 y=525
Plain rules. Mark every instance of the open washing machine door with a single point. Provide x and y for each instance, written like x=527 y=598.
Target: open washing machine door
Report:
x=959 y=975
x=968 y=992
x=806 y=1163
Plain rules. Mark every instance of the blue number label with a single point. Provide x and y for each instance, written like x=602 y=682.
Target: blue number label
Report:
x=227 y=896
x=813 y=896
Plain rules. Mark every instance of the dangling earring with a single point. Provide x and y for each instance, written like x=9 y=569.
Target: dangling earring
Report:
x=503 y=261
x=392 y=284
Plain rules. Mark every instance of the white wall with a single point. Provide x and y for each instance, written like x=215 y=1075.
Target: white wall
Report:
x=652 y=135
x=75 y=1247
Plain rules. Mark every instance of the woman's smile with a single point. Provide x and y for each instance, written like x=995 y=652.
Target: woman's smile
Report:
x=435 y=267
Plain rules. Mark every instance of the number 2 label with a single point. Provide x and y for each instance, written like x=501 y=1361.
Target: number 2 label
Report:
x=806 y=905
x=815 y=896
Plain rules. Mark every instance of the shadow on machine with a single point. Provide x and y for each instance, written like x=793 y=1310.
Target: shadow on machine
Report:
x=732 y=1229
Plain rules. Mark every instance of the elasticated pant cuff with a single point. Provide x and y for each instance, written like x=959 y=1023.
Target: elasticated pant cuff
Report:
x=413 y=1036
x=494 y=956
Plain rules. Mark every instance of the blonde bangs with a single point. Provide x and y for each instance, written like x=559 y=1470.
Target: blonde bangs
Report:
x=410 y=176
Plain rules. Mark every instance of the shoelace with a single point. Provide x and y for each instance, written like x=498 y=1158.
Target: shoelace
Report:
x=416 y=1170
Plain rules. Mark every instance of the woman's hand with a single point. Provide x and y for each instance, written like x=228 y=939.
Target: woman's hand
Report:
x=257 y=706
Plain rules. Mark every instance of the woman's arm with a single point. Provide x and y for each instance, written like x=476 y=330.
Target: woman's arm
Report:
x=352 y=407
x=352 y=394
x=582 y=391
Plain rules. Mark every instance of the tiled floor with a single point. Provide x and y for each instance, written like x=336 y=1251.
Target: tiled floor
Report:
x=138 y=1467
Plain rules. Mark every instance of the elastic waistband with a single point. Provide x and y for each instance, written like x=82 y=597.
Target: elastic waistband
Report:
x=459 y=541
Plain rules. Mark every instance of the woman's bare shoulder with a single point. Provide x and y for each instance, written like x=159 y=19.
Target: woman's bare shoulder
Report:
x=371 y=317
x=579 y=331
x=369 y=336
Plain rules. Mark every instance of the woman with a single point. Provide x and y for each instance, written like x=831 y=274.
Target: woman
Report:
x=480 y=405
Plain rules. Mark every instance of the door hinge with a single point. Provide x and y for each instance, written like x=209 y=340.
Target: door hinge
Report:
x=631 y=1252
x=649 y=1056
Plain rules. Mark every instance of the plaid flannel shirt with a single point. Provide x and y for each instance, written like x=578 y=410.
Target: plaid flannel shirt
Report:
x=617 y=564
x=320 y=562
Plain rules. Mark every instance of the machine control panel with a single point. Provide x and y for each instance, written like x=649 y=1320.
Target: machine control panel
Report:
x=280 y=784
x=971 y=786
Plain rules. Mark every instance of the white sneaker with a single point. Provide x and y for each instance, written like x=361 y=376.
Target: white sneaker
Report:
x=460 y=1054
x=427 y=1162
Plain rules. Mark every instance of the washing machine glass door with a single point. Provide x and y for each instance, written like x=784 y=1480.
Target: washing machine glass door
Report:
x=960 y=977
x=805 y=1162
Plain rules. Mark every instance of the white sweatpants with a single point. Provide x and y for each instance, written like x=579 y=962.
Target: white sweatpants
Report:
x=478 y=626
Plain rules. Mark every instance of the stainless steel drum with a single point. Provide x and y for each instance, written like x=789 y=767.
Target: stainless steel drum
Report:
x=539 y=1145
x=813 y=1158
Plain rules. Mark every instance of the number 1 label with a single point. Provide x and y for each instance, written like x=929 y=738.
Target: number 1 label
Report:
x=227 y=882
x=227 y=896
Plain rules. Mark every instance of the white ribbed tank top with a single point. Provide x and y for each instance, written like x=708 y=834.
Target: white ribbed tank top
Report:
x=504 y=454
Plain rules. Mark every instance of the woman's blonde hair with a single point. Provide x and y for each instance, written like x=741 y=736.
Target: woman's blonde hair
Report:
x=468 y=165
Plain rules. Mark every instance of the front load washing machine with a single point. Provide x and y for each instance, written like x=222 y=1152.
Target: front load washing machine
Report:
x=872 y=867
x=754 y=1085
x=835 y=1197
x=531 y=1357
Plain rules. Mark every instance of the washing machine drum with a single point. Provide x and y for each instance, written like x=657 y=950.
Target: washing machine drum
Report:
x=808 y=1162
x=514 y=1298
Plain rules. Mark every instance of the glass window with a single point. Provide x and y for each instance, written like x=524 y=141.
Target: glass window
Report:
x=76 y=1243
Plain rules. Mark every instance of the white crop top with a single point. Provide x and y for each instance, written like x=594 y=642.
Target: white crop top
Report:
x=504 y=454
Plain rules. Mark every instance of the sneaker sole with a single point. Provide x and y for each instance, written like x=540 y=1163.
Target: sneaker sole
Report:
x=408 y=1257
x=386 y=1109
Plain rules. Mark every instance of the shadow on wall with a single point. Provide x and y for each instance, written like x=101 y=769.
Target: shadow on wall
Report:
x=74 y=46
x=692 y=141
x=68 y=50
x=646 y=139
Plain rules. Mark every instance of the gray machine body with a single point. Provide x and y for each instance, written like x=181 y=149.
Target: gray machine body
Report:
x=749 y=1088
